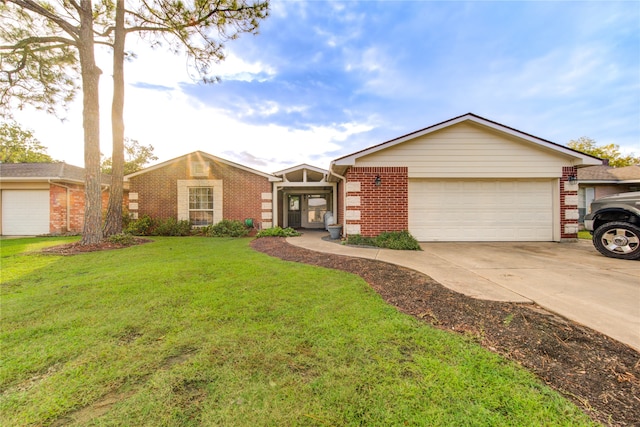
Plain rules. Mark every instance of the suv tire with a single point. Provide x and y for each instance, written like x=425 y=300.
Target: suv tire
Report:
x=618 y=240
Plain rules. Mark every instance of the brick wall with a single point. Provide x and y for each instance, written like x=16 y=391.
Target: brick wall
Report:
x=568 y=204
x=373 y=209
x=71 y=203
x=157 y=192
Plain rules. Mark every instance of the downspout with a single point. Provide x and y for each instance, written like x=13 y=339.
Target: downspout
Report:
x=344 y=198
x=67 y=219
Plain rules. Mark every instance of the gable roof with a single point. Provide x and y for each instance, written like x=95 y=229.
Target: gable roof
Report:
x=609 y=174
x=45 y=171
x=583 y=159
x=202 y=154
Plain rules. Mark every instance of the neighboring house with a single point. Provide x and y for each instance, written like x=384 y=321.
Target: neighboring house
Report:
x=43 y=198
x=598 y=181
x=465 y=179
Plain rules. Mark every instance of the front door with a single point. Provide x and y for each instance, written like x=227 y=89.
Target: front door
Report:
x=316 y=207
x=294 y=219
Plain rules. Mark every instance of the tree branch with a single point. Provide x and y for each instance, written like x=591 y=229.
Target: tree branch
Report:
x=39 y=40
x=34 y=7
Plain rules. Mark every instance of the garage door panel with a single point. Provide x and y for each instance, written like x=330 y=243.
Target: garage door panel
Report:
x=481 y=210
x=25 y=212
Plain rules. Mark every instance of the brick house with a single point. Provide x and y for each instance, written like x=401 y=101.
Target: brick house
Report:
x=43 y=198
x=465 y=179
x=203 y=189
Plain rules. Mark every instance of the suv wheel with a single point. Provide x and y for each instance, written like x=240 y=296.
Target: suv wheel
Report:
x=618 y=240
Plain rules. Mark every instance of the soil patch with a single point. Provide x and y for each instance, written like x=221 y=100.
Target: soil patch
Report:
x=77 y=248
x=598 y=373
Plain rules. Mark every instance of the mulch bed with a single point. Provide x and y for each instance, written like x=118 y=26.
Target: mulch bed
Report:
x=599 y=374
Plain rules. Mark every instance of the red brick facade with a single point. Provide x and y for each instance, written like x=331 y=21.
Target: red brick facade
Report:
x=157 y=189
x=568 y=204
x=382 y=207
x=66 y=208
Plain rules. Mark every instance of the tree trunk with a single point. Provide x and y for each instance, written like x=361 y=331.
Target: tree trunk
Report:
x=113 y=222
x=92 y=232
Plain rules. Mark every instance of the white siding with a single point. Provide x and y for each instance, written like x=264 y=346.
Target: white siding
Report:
x=469 y=150
x=481 y=210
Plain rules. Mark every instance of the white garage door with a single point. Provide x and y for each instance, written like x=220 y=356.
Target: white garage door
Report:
x=25 y=212
x=481 y=210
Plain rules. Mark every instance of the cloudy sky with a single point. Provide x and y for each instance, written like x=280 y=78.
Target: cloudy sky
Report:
x=324 y=79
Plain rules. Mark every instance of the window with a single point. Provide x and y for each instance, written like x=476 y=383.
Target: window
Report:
x=201 y=205
x=317 y=204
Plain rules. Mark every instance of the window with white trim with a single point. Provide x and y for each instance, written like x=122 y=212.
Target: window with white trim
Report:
x=201 y=206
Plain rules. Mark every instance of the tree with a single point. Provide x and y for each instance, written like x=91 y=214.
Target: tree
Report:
x=19 y=145
x=136 y=157
x=200 y=29
x=46 y=44
x=44 y=47
x=610 y=152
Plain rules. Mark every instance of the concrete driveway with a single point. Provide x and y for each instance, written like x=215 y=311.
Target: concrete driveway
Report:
x=571 y=279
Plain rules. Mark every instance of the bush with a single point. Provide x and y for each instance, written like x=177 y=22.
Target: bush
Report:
x=359 y=240
x=278 y=232
x=122 y=239
x=226 y=228
x=147 y=226
x=401 y=240
x=172 y=227
x=141 y=227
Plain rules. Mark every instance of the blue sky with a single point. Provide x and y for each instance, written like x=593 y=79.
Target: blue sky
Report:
x=324 y=79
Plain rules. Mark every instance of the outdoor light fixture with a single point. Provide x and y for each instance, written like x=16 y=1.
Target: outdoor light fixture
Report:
x=378 y=181
x=573 y=179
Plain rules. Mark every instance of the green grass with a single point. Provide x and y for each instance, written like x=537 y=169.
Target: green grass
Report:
x=584 y=234
x=201 y=331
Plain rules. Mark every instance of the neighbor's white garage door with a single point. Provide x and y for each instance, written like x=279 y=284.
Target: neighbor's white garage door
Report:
x=481 y=210
x=25 y=212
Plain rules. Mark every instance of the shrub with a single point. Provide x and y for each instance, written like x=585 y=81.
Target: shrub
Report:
x=278 y=232
x=359 y=240
x=141 y=227
x=172 y=227
x=401 y=240
x=226 y=228
x=122 y=239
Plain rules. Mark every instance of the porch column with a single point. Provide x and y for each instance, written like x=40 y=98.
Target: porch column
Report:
x=274 y=205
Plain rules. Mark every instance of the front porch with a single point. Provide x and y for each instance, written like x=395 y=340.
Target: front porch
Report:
x=303 y=197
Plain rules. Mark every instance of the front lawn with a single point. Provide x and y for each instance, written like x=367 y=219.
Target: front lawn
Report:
x=206 y=331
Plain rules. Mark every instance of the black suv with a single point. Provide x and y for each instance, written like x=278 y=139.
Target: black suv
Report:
x=614 y=222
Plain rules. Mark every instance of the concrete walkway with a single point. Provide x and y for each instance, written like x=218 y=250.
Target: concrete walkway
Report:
x=571 y=279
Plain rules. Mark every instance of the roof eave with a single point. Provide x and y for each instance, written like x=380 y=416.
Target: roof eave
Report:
x=40 y=178
x=207 y=155
x=579 y=159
